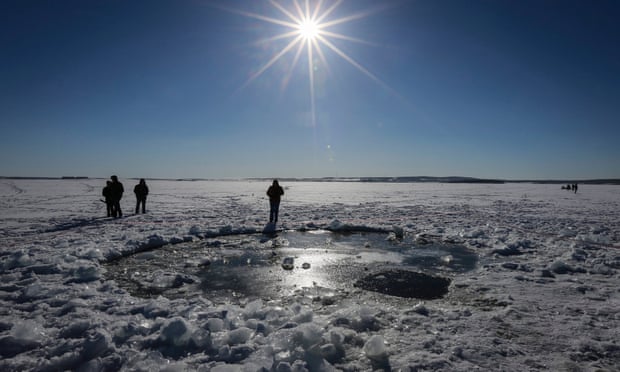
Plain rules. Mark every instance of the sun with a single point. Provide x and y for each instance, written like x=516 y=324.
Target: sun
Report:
x=309 y=29
x=307 y=24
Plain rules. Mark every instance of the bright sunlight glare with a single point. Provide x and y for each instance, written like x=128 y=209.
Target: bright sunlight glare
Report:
x=309 y=29
x=306 y=22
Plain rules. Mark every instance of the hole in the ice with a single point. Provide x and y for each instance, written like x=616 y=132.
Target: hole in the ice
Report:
x=256 y=266
x=403 y=283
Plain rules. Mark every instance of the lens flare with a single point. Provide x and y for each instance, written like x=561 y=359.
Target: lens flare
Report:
x=307 y=28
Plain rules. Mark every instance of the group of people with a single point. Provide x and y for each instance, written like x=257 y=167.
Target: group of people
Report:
x=113 y=193
x=570 y=187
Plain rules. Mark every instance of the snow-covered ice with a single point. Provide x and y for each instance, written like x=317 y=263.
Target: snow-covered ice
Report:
x=543 y=294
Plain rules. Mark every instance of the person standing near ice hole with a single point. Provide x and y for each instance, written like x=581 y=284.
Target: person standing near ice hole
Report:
x=107 y=194
x=116 y=193
x=274 y=192
x=141 y=190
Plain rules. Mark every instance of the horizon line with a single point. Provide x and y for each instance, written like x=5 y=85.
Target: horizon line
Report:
x=387 y=179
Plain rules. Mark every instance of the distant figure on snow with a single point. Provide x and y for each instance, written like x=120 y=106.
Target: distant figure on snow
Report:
x=141 y=190
x=575 y=188
x=274 y=192
x=107 y=194
x=116 y=193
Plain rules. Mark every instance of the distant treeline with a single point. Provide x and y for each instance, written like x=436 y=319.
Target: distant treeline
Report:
x=455 y=179
x=609 y=181
x=389 y=179
x=46 y=178
x=412 y=179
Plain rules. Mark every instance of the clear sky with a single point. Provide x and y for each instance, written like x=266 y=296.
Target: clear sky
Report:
x=524 y=89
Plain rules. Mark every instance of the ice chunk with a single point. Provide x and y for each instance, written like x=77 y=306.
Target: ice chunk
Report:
x=179 y=337
x=25 y=335
x=284 y=367
x=227 y=368
x=175 y=332
x=97 y=345
x=336 y=225
x=175 y=240
x=17 y=259
x=473 y=233
x=332 y=353
x=154 y=241
x=308 y=335
x=304 y=316
x=375 y=348
x=161 y=280
x=152 y=361
x=560 y=267
x=92 y=253
x=86 y=274
x=27 y=330
x=75 y=330
x=215 y=324
x=157 y=307
x=33 y=292
x=149 y=255
x=10 y=346
x=420 y=309
x=399 y=232
x=238 y=336
x=254 y=310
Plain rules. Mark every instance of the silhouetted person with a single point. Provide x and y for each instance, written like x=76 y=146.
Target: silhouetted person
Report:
x=274 y=192
x=116 y=193
x=107 y=194
x=575 y=188
x=141 y=190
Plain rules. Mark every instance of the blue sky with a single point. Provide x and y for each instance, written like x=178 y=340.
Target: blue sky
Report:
x=492 y=89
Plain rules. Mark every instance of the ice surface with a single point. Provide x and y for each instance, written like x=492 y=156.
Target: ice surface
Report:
x=542 y=296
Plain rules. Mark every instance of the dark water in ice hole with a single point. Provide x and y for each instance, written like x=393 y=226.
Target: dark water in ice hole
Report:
x=259 y=266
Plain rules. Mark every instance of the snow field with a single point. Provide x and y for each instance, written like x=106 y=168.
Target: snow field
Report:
x=544 y=296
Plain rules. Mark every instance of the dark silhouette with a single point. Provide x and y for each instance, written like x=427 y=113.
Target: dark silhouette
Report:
x=274 y=192
x=575 y=188
x=116 y=193
x=107 y=194
x=141 y=190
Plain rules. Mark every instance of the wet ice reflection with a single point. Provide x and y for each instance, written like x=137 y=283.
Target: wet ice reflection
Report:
x=256 y=266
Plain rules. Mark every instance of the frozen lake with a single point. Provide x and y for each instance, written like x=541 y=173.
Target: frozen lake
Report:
x=530 y=273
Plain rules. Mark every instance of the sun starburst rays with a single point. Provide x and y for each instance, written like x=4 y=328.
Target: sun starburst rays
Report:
x=307 y=26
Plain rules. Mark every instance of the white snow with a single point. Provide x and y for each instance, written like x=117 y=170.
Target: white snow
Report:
x=544 y=295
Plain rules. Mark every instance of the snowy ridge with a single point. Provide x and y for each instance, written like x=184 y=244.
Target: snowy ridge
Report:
x=544 y=297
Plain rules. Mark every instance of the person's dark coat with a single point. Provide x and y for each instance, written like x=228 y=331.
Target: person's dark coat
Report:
x=107 y=193
x=116 y=193
x=141 y=190
x=275 y=192
x=116 y=190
